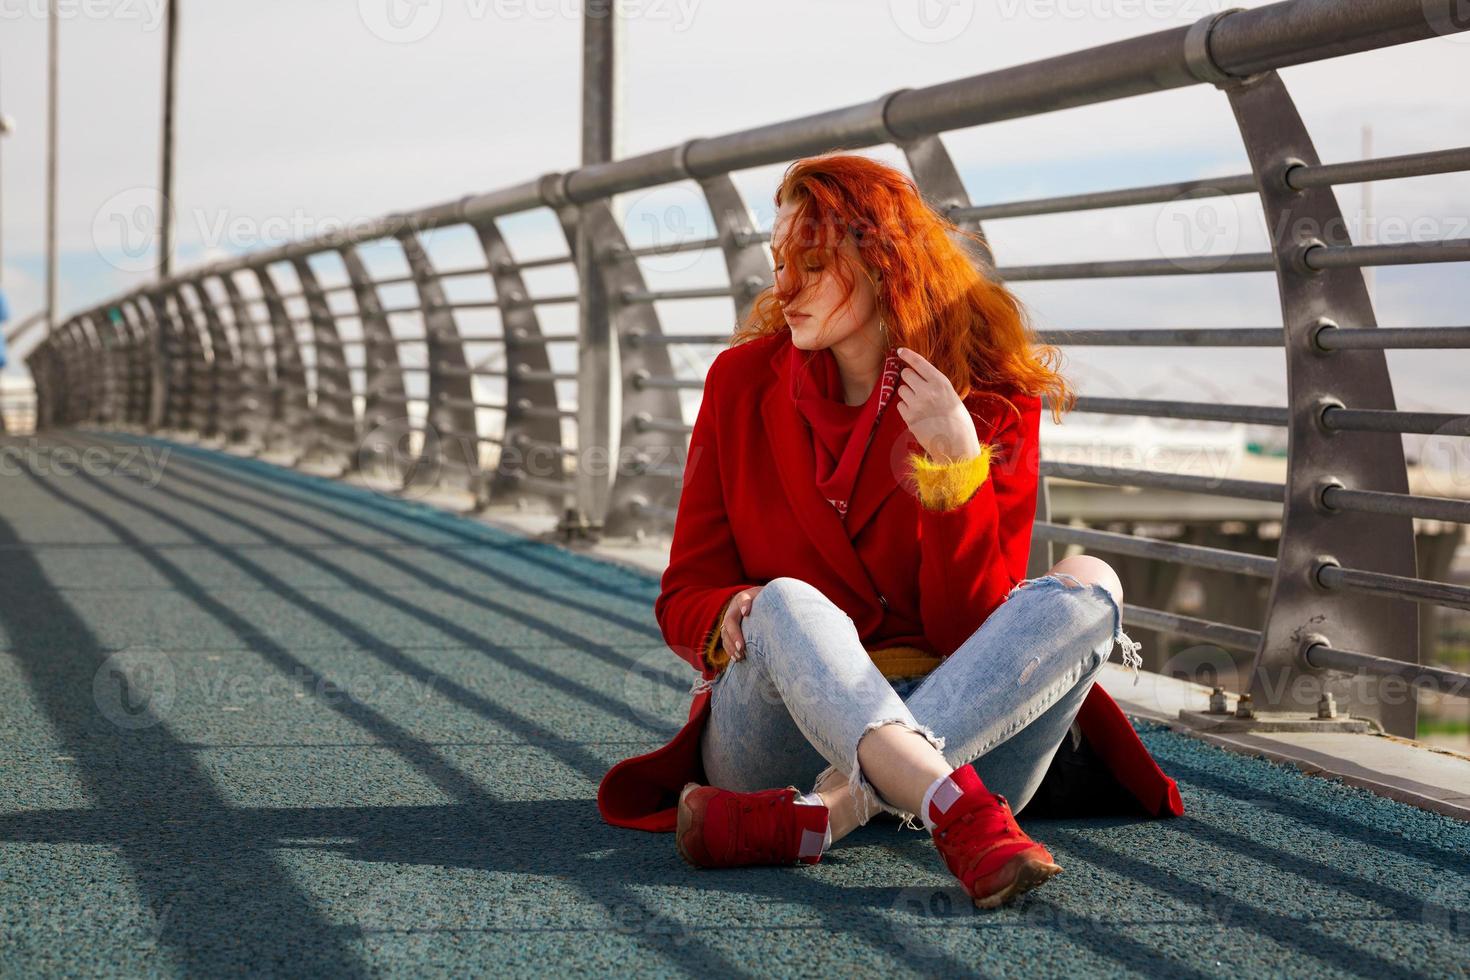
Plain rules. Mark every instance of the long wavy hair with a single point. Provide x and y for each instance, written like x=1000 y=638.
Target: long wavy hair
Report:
x=933 y=297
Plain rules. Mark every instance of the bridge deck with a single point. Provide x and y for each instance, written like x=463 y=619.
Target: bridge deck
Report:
x=256 y=719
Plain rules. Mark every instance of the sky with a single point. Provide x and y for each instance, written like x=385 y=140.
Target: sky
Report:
x=295 y=115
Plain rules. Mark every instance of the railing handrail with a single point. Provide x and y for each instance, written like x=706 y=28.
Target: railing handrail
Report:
x=1292 y=32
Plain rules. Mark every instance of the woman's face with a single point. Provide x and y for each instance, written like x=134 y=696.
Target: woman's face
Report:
x=813 y=312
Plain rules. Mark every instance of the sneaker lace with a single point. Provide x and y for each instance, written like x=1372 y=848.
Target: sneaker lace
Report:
x=977 y=832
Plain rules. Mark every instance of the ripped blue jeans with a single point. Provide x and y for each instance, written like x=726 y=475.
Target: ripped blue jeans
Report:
x=792 y=711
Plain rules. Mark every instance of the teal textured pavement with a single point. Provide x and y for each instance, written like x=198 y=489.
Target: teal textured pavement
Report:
x=259 y=721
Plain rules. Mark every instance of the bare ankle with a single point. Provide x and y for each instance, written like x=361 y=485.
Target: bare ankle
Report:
x=842 y=813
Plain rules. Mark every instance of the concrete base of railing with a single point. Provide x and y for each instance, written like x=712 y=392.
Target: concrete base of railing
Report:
x=280 y=457
x=1274 y=721
x=322 y=466
x=241 y=449
x=1402 y=769
x=447 y=498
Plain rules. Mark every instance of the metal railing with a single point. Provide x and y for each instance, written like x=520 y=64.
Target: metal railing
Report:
x=256 y=351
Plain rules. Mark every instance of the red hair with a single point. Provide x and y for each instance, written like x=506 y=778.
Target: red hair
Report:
x=934 y=298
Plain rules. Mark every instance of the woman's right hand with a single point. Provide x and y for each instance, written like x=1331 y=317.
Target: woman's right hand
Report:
x=731 y=635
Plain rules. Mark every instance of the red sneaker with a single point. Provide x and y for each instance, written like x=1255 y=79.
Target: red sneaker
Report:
x=981 y=843
x=719 y=828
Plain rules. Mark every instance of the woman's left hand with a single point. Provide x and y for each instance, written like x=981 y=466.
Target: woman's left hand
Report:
x=934 y=412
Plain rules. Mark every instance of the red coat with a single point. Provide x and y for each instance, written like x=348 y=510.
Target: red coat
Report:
x=907 y=575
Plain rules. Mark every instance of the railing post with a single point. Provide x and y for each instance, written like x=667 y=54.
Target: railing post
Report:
x=121 y=333
x=64 y=365
x=385 y=427
x=254 y=382
x=334 y=434
x=40 y=363
x=109 y=362
x=77 y=370
x=203 y=383
x=81 y=370
x=531 y=416
x=291 y=406
x=1300 y=610
x=172 y=394
x=144 y=362
x=224 y=405
x=638 y=464
x=451 y=448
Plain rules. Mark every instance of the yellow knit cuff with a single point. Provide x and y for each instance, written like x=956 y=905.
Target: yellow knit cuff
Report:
x=715 y=654
x=945 y=485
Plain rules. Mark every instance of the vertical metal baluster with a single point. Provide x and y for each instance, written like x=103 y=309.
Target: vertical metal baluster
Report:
x=334 y=431
x=255 y=381
x=525 y=350
x=224 y=407
x=451 y=451
x=291 y=408
x=386 y=428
